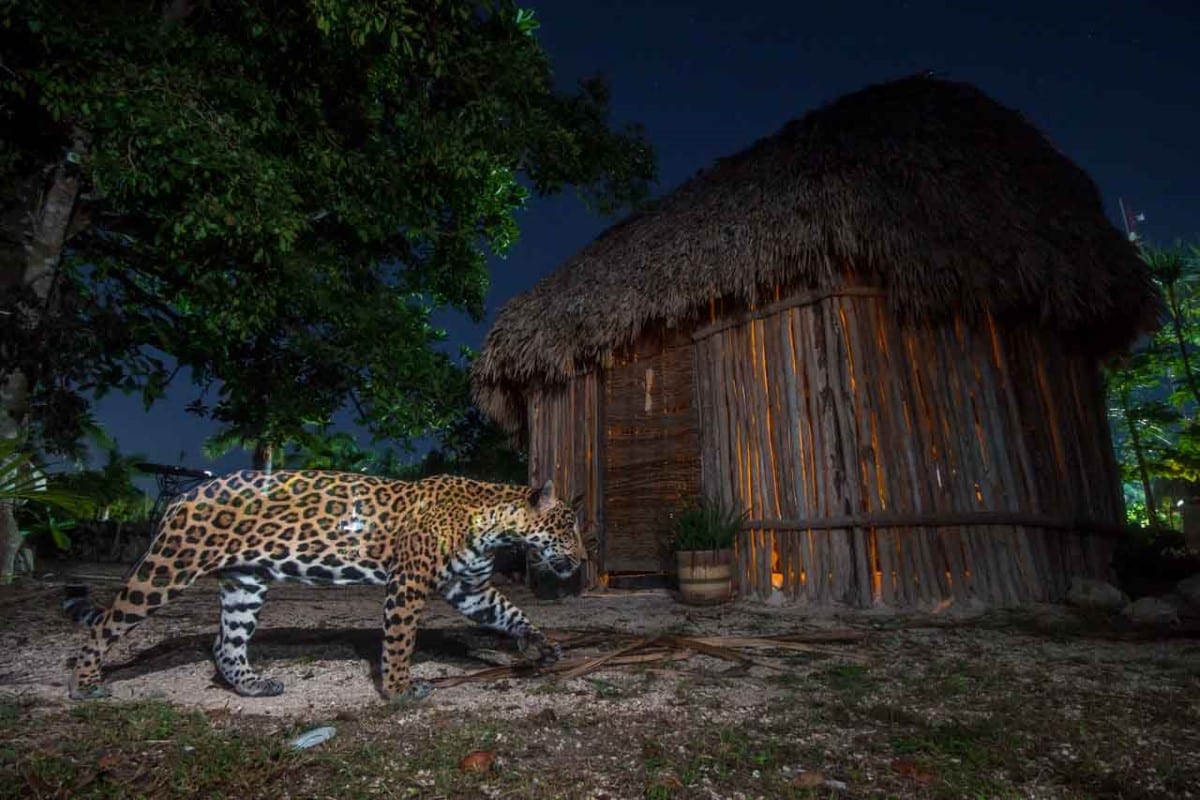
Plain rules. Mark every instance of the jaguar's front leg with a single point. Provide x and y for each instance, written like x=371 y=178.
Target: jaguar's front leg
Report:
x=406 y=592
x=485 y=605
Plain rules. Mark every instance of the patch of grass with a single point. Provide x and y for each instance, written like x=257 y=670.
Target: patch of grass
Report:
x=952 y=680
x=966 y=757
x=847 y=678
x=10 y=714
x=605 y=688
x=789 y=680
x=724 y=760
x=738 y=750
x=889 y=714
x=658 y=791
x=115 y=750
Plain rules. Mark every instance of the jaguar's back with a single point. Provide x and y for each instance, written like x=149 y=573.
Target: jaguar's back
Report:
x=334 y=527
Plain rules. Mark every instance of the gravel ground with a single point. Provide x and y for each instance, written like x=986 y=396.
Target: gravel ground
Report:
x=1066 y=700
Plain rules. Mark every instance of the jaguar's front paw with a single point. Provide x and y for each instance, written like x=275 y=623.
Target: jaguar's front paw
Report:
x=95 y=691
x=538 y=649
x=416 y=691
x=260 y=687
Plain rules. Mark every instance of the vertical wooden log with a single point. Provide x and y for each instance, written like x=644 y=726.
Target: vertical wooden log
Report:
x=900 y=444
x=726 y=479
x=889 y=593
x=822 y=566
x=858 y=371
x=795 y=444
x=837 y=400
x=925 y=557
x=966 y=465
x=1002 y=441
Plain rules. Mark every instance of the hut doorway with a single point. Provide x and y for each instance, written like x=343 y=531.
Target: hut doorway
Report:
x=652 y=449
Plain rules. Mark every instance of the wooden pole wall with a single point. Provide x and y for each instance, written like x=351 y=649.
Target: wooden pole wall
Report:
x=565 y=445
x=953 y=453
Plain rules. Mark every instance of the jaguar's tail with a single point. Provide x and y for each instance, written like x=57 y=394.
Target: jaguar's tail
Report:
x=78 y=605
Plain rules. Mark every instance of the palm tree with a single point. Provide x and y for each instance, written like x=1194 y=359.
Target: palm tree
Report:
x=22 y=481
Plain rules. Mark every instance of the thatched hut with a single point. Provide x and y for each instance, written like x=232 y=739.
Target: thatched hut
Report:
x=878 y=330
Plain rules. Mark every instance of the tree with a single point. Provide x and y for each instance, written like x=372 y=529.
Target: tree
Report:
x=476 y=447
x=471 y=445
x=278 y=194
x=1154 y=395
x=275 y=195
x=340 y=451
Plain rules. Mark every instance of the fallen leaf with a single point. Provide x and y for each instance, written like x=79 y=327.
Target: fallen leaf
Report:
x=912 y=771
x=36 y=782
x=218 y=715
x=477 y=761
x=108 y=761
x=670 y=781
x=809 y=778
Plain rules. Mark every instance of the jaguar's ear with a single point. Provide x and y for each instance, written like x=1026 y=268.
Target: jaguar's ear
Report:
x=543 y=498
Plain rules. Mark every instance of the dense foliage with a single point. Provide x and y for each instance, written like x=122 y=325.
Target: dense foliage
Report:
x=277 y=195
x=1154 y=396
x=471 y=445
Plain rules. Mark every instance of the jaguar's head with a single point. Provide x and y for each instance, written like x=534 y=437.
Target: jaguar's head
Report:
x=551 y=529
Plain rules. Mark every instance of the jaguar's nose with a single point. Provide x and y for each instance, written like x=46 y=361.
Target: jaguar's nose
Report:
x=562 y=565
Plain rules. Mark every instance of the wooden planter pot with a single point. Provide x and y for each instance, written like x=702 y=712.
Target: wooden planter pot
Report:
x=705 y=576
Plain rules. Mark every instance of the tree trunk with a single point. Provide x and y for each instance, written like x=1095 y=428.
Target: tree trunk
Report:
x=264 y=452
x=1136 y=438
x=1189 y=375
x=45 y=232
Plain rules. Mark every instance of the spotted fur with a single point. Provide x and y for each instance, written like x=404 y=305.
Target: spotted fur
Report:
x=252 y=528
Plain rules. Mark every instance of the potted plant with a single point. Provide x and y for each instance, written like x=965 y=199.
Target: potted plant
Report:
x=702 y=536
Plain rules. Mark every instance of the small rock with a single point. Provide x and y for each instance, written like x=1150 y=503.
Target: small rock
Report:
x=1189 y=589
x=809 y=779
x=1088 y=593
x=964 y=608
x=546 y=715
x=1153 y=611
x=776 y=599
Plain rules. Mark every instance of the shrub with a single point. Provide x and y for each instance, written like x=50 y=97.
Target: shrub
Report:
x=1151 y=561
x=705 y=524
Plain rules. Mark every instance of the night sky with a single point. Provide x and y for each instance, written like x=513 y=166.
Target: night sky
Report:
x=1115 y=85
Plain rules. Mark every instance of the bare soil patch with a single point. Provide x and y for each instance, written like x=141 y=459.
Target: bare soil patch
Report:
x=1036 y=702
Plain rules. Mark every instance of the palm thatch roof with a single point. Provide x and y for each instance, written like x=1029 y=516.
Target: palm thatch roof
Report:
x=925 y=187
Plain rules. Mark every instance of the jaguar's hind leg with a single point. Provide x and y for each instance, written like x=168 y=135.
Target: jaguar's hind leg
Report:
x=149 y=587
x=242 y=595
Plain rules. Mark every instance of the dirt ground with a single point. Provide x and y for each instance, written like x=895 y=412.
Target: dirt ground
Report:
x=1033 y=702
x=323 y=643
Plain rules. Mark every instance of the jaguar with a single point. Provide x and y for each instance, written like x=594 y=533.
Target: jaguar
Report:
x=251 y=528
